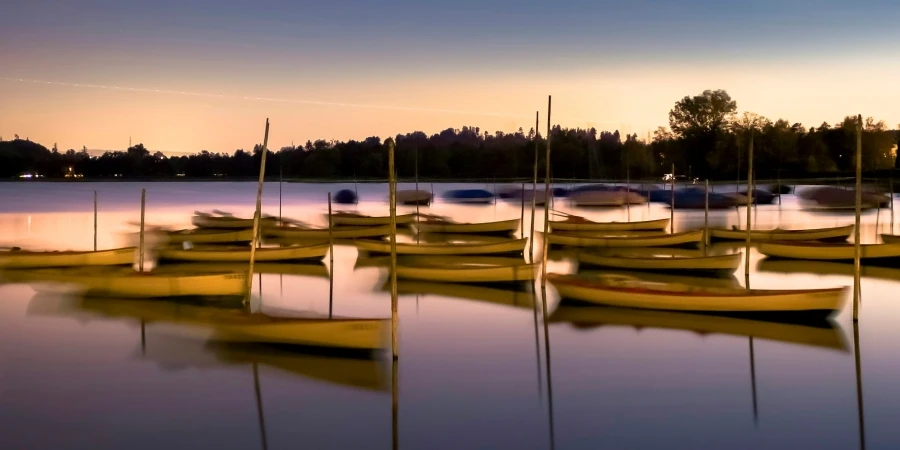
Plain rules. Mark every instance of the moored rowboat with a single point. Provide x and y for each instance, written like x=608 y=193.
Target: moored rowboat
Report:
x=688 y=237
x=413 y=197
x=717 y=264
x=207 y=221
x=814 y=234
x=508 y=246
x=354 y=219
x=827 y=251
x=210 y=236
x=463 y=273
x=576 y=223
x=634 y=293
x=447 y=226
x=131 y=284
x=235 y=254
x=323 y=233
x=890 y=239
x=22 y=259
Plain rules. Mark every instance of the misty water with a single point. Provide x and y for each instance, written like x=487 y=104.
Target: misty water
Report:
x=475 y=368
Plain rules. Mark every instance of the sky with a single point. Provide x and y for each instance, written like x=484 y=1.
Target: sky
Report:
x=190 y=75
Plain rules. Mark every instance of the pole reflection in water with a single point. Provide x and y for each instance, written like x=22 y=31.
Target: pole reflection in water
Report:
x=143 y=338
x=330 y=293
x=859 y=390
x=259 y=407
x=395 y=402
x=537 y=346
x=547 y=361
x=753 y=384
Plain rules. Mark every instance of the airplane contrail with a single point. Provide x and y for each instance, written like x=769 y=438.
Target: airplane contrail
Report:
x=298 y=101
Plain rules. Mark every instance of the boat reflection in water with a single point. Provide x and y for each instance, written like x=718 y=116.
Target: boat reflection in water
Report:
x=509 y=297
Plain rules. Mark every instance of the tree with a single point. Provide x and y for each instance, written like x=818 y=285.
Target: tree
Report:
x=699 y=120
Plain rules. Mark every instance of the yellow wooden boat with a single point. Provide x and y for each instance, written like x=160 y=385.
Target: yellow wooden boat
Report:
x=23 y=259
x=577 y=223
x=508 y=297
x=209 y=221
x=236 y=254
x=827 y=251
x=716 y=264
x=827 y=268
x=210 y=236
x=308 y=268
x=814 y=234
x=574 y=240
x=238 y=325
x=823 y=333
x=508 y=246
x=354 y=219
x=724 y=281
x=890 y=239
x=434 y=225
x=635 y=293
x=344 y=232
x=125 y=282
x=468 y=273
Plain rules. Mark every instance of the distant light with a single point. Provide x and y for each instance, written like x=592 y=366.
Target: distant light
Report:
x=25 y=175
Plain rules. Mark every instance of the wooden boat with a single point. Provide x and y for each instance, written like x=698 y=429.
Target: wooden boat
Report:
x=813 y=234
x=234 y=254
x=307 y=268
x=125 y=282
x=820 y=268
x=890 y=239
x=822 y=333
x=509 y=246
x=467 y=273
x=438 y=260
x=22 y=259
x=346 y=232
x=238 y=325
x=209 y=221
x=436 y=225
x=635 y=293
x=688 y=237
x=577 y=223
x=699 y=281
x=830 y=198
x=413 y=197
x=715 y=264
x=507 y=297
x=827 y=251
x=210 y=236
x=354 y=219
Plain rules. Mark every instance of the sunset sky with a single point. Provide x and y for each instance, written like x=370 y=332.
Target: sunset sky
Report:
x=352 y=69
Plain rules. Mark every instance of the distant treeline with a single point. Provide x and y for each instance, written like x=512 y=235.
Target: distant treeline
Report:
x=705 y=139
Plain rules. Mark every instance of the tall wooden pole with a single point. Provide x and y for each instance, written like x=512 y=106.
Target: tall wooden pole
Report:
x=392 y=184
x=141 y=245
x=95 y=221
x=546 y=200
x=749 y=203
x=672 y=206
x=256 y=214
x=627 y=189
x=856 y=232
x=534 y=188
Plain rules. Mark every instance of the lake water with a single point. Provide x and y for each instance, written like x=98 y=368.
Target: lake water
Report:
x=475 y=371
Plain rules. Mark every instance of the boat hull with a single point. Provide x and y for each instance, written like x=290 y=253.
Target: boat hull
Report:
x=380 y=247
x=829 y=252
x=462 y=274
x=24 y=259
x=687 y=238
x=586 y=225
x=343 y=219
x=130 y=284
x=724 y=264
x=821 y=234
x=503 y=226
x=294 y=253
x=207 y=236
x=324 y=234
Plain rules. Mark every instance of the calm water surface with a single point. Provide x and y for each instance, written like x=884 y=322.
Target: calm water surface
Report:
x=475 y=369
